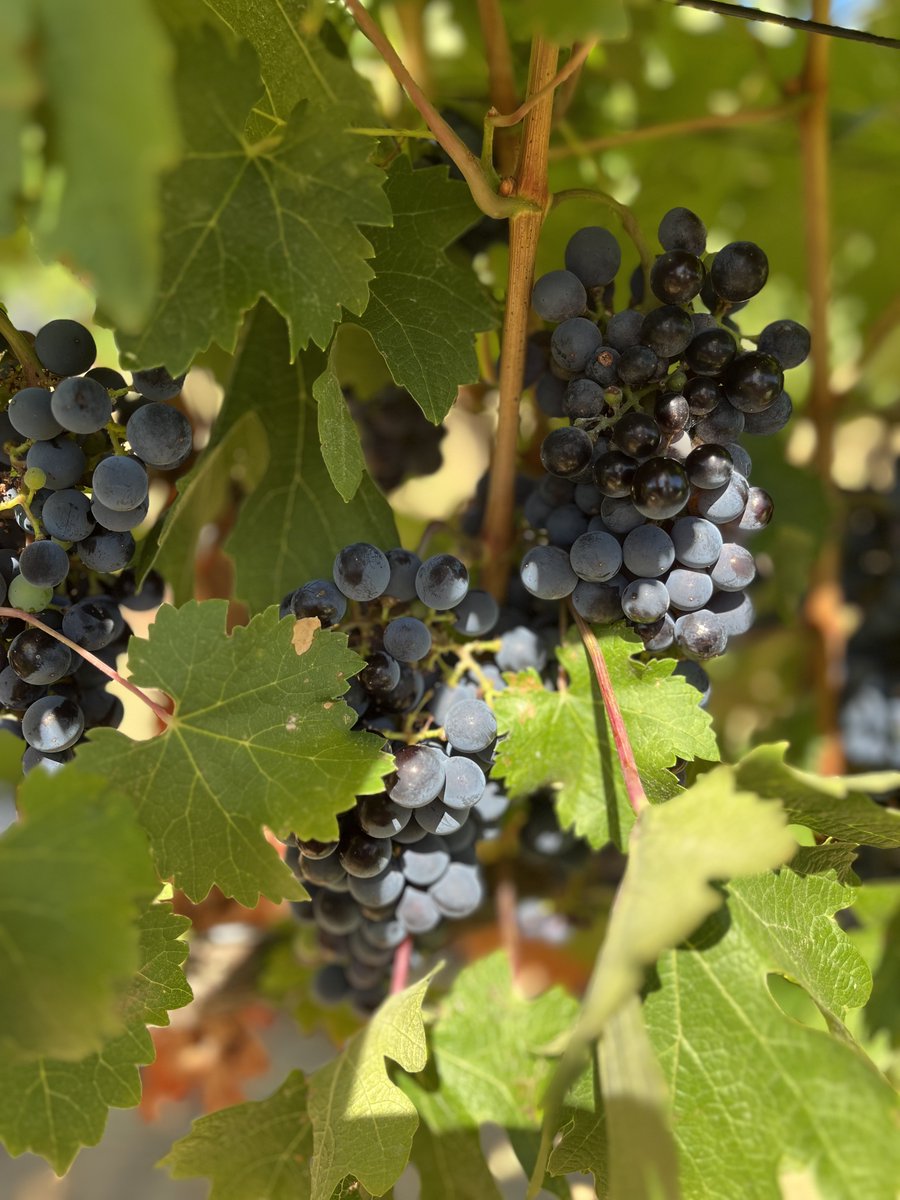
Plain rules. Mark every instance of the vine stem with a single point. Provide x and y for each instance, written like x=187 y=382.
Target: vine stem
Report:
x=623 y=212
x=576 y=60
x=825 y=596
x=483 y=193
x=636 y=796
x=501 y=78
x=701 y=124
x=530 y=183
x=21 y=348
x=816 y=25
x=400 y=970
x=164 y=716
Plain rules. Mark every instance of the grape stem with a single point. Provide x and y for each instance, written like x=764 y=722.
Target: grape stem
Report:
x=166 y=717
x=22 y=349
x=530 y=181
x=626 y=216
x=702 y=124
x=483 y=194
x=576 y=61
x=400 y=971
x=637 y=798
x=501 y=80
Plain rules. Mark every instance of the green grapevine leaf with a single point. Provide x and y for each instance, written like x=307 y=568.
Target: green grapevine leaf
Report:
x=876 y=906
x=251 y=1150
x=257 y=739
x=713 y=832
x=276 y=215
x=563 y=738
x=291 y=528
x=74 y=872
x=294 y=64
x=51 y=1107
x=425 y=310
x=499 y=1077
x=619 y=1130
x=569 y=22
x=808 y=1099
x=341 y=450
x=363 y=1124
x=100 y=201
x=449 y=1160
x=840 y=808
x=19 y=90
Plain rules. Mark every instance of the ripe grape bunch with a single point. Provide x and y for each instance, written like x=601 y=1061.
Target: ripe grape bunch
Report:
x=405 y=858
x=647 y=500
x=76 y=456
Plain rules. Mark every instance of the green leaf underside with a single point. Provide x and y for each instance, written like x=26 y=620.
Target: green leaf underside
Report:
x=425 y=310
x=251 y=1150
x=840 y=808
x=496 y=1069
x=53 y=1108
x=257 y=740
x=338 y=436
x=348 y=1119
x=619 y=1129
x=363 y=1124
x=711 y=832
x=240 y=456
x=289 y=530
x=295 y=66
x=564 y=739
x=754 y=1092
x=276 y=216
x=74 y=872
x=105 y=215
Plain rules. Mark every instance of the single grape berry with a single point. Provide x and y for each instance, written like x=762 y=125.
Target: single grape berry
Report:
x=584 y=400
x=65 y=347
x=637 y=366
x=787 y=341
x=381 y=674
x=442 y=582
x=672 y=412
x=407 y=639
x=710 y=351
x=703 y=395
x=404 y=565
x=159 y=435
x=559 y=295
x=701 y=634
x=470 y=726
x=566 y=452
x=30 y=414
x=120 y=482
x=624 y=329
x=667 y=330
x=574 y=342
x=681 y=229
x=52 y=724
x=44 y=564
x=753 y=381
x=660 y=488
x=361 y=571
x=602 y=366
x=771 y=420
x=547 y=573
x=157 y=384
x=709 y=466
x=677 y=277
x=594 y=255
x=636 y=434
x=81 y=405
x=319 y=598
x=596 y=556
x=739 y=271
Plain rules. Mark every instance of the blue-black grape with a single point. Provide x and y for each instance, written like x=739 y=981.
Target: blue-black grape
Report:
x=442 y=582
x=66 y=515
x=31 y=415
x=709 y=466
x=648 y=551
x=44 y=564
x=787 y=341
x=459 y=892
x=597 y=603
x=734 y=569
x=93 y=622
x=437 y=818
x=319 y=598
x=38 y=658
x=547 y=573
x=700 y=635
x=645 y=600
x=594 y=255
x=739 y=271
x=418 y=911
x=382 y=817
x=116 y=521
x=420 y=775
x=697 y=542
x=61 y=460
x=404 y=566
x=477 y=614
x=681 y=229
x=676 y=277
x=156 y=383
x=81 y=405
x=470 y=726
x=159 y=435
x=596 y=556
x=689 y=590
x=120 y=482
x=574 y=342
x=65 y=347
x=52 y=724
x=407 y=639
x=559 y=295
x=566 y=452
x=107 y=551
x=363 y=856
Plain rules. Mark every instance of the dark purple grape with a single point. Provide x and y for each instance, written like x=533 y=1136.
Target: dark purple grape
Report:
x=677 y=277
x=681 y=229
x=710 y=351
x=613 y=473
x=636 y=434
x=583 y=400
x=709 y=466
x=574 y=342
x=667 y=330
x=786 y=340
x=637 y=366
x=566 y=452
x=753 y=381
x=739 y=271
x=660 y=488
x=602 y=366
x=672 y=412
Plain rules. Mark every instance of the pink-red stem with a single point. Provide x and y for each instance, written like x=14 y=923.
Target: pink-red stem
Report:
x=111 y=672
x=402 y=959
x=637 y=798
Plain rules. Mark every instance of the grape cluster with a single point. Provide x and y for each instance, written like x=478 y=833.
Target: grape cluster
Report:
x=405 y=858
x=398 y=440
x=75 y=456
x=647 y=502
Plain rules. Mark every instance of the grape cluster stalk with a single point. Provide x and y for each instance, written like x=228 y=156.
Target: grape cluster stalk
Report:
x=76 y=456
x=647 y=501
x=405 y=859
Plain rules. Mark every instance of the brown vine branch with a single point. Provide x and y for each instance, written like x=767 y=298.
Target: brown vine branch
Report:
x=110 y=672
x=576 y=59
x=637 y=798
x=22 y=349
x=470 y=166
x=818 y=26
x=530 y=183
x=501 y=79
x=700 y=124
